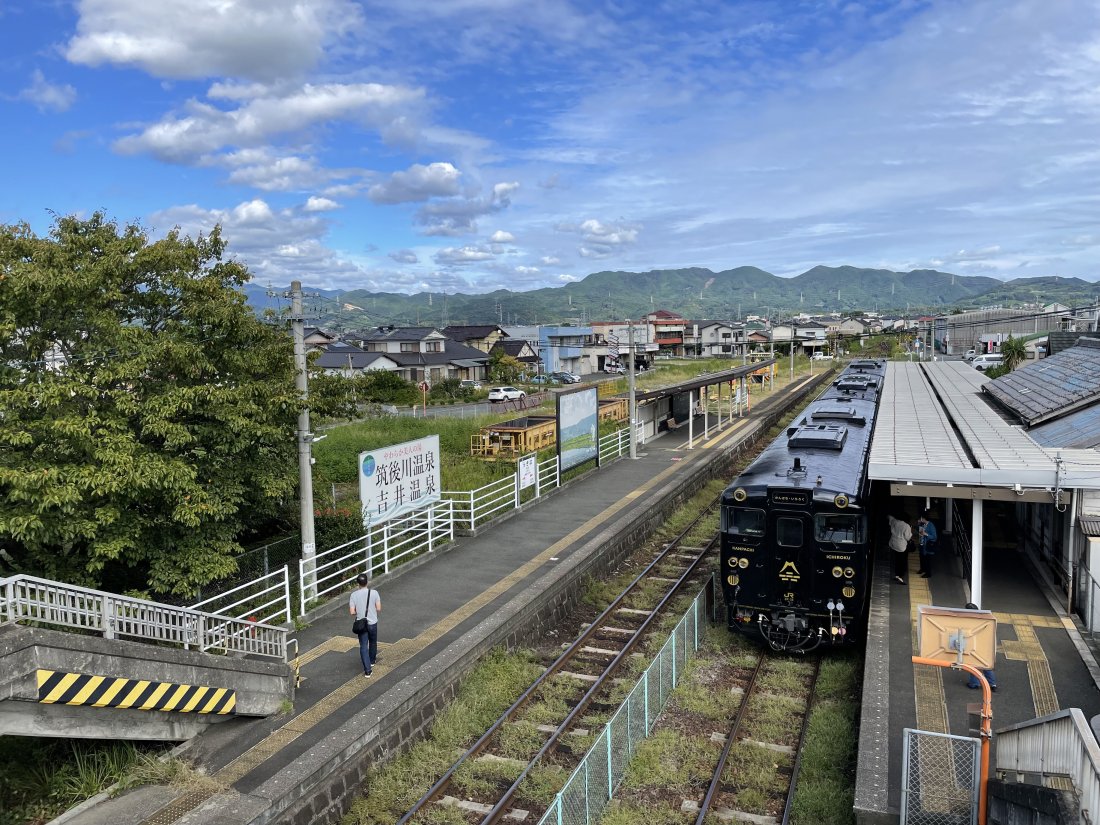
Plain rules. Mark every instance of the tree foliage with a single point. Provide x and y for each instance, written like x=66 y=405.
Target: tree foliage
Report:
x=146 y=415
x=1013 y=352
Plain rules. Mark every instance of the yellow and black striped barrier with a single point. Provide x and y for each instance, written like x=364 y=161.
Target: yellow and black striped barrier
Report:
x=61 y=688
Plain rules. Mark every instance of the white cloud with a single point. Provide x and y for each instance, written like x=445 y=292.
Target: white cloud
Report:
x=276 y=245
x=417 y=183
x=549 y=260
x=204 y=129
x=46 y=96
x=207 y=38
x=458 y=216
x=405 y=256
x=315 y=204
x=457 y=256
x=599 y=239
x=500 y=236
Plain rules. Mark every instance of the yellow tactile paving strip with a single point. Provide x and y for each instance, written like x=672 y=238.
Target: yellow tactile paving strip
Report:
x=396 y=654
x=931 y=704
x=1027 y=648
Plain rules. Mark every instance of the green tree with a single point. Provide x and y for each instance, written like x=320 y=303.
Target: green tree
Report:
x=146 y=414
x=504 y=368
x=1013 y=352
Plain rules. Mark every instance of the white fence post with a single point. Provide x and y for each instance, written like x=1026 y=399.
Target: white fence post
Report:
x=517 y=485
x=108 y=619
x=473 y=519
x=386 y=547
x=431 y=528
x=286 y=591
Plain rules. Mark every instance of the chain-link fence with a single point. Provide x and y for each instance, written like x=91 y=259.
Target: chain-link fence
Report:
x=940 y=779
x=592 y=785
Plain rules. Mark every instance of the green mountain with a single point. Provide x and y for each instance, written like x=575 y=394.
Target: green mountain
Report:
x=702 y=294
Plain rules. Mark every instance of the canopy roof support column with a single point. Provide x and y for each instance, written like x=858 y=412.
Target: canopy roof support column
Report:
x=976 y=553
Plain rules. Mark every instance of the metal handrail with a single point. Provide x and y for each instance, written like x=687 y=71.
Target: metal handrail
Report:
x=29 y=598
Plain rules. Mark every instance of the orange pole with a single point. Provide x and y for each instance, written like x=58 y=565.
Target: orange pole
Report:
x=987 y=727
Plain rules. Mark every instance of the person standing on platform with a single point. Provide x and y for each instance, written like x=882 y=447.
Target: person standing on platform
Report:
x=928 y=539
x=900 y=536
x=364 y=606
x=972 y=682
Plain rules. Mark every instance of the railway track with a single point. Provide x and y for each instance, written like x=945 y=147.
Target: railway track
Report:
x=722 y=799
x=582 y=680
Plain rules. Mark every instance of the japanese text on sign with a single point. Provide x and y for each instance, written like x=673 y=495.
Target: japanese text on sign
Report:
x=394 y=480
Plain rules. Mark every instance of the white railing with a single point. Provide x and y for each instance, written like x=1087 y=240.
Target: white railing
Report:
x=1057 y=746
x=264 y=599
x=27 y=598
x=376 y=551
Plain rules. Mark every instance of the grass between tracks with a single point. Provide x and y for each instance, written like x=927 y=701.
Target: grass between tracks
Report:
x=675 y=763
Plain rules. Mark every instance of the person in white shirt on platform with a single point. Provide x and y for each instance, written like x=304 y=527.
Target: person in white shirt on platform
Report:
x=900 y=536
x=364 y=606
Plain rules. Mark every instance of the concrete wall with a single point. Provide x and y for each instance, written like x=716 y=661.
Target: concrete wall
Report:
x=261 y=685
x=1017 y=803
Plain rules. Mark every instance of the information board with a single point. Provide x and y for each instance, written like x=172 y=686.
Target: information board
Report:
x=394 y=480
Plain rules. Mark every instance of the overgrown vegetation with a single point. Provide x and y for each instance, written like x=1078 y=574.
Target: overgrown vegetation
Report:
x=42 y=778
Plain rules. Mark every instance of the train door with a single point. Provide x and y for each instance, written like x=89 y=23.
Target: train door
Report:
x=792 y=562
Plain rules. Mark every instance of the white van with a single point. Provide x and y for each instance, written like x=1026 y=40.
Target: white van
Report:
x=986 y=361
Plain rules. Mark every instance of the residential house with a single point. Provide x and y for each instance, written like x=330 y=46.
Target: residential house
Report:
x=714 y=339
x=318 y=339
x=348 y=360
x=479 y=337
x=666 y=329
x=522 y=350
x=426 y=354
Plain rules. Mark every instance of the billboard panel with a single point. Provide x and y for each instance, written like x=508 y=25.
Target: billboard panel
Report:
x=578 y=435
x=399 y=478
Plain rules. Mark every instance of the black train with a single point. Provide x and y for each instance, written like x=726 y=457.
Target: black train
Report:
x=796 y=546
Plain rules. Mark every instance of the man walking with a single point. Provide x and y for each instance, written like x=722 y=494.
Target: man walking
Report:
x=928 y=537
x=900 y=536
x=364 y=606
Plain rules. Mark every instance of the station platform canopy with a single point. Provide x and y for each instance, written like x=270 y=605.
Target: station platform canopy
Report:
x=707 y=380
x=938 y=432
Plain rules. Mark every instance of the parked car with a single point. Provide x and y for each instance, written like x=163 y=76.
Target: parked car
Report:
x=987 y=361
x=506 y=394
x=468 y=384
x=821 y=356
x=566 y=377
x=543 y=379
x=970 y=354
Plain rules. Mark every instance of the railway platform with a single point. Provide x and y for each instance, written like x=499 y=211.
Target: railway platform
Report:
x=436 y=619
x=1043 y=665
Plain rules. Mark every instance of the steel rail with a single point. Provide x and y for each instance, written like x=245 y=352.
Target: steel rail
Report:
x=558 y=664
x=801 y=741
x=498 y=810
x=731 y=737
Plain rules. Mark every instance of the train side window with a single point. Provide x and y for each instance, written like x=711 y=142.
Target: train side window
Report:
x=788 y=532
x=743 y=521
x=837 y=529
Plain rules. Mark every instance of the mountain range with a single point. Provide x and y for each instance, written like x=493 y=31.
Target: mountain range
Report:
x=694 y=293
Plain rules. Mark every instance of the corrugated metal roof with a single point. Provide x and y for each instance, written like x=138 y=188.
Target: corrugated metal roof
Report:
x=703 y=381
x=1089 y=525
x=935 y=426
x=1078 y=429
x=1052 y=386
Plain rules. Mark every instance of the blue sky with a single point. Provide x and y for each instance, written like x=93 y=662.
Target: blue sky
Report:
x=471 y=145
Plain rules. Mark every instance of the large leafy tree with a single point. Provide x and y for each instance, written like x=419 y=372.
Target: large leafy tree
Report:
x=146 y=414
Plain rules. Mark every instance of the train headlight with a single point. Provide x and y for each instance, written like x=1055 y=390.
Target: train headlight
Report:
x=841 y=501
x=837 y=572
x=739 y=494
x=732 y=561
x=849 y=573
x=742 y=563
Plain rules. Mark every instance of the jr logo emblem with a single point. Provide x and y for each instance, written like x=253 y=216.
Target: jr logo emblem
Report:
x=788 y=572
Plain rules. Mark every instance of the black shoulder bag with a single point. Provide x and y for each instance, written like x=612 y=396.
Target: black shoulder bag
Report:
x=359 y=626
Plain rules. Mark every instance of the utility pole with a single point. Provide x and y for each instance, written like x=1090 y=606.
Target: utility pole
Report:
x=305 y=439
x=632 y=409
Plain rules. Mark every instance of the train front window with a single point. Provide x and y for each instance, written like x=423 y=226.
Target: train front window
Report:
x=743 y=521
x=836 y=529
x=788 y=532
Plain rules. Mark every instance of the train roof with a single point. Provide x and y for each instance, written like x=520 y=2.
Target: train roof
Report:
x=830 y=439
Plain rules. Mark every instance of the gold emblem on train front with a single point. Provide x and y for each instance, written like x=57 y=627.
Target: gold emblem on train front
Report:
x=733 y=580
x=837 y=572
x=849 y=592
x=743 y=563
x=789 y=573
